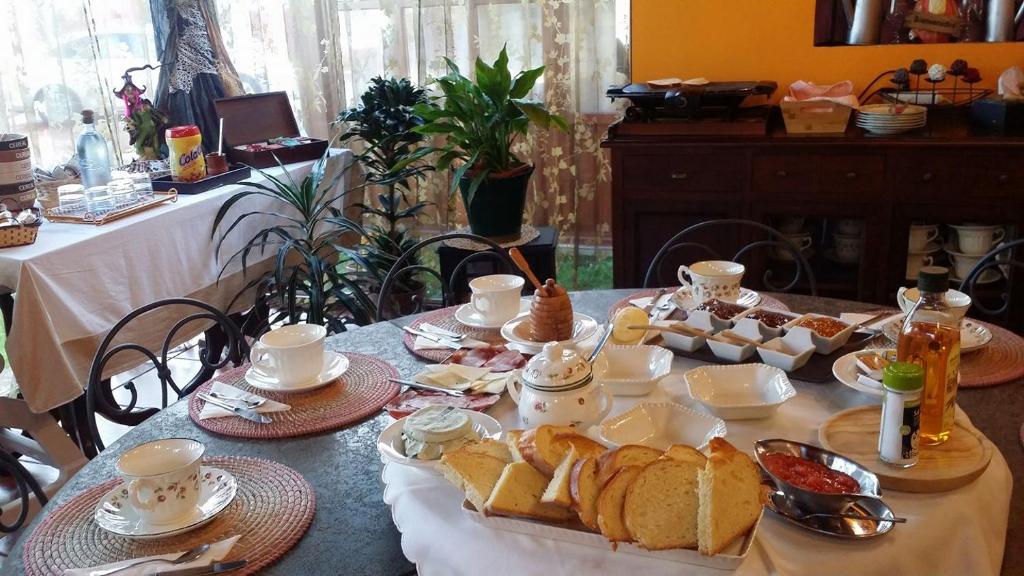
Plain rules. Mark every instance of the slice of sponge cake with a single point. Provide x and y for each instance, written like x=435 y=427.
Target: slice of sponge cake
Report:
x=609 y=504
x=474 y=473
x=730 y=495
x=629 y=455
x=557 y=491
x=660 y=508
x=518 y=493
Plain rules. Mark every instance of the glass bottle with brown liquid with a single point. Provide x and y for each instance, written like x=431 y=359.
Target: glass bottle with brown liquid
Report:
x=931 y=338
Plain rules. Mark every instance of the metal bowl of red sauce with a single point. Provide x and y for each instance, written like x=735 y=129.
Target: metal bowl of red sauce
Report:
x=813 y=477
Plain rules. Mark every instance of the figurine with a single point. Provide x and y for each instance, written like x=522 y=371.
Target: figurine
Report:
x=144 y=122
x=940 y=11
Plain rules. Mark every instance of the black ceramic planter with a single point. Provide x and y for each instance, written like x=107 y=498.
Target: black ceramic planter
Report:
x=497 y=209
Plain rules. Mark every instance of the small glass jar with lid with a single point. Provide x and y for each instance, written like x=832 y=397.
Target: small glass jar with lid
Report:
x=122 y=191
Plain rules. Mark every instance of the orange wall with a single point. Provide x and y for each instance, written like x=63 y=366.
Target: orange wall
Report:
x=774 y=40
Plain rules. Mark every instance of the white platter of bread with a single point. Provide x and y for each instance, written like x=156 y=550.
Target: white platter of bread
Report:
x=553 y=482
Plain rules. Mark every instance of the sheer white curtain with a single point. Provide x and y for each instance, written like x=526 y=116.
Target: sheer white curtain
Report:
x=61 y=56
x=324 y=52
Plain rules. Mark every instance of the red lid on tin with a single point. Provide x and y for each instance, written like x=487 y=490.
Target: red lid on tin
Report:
x=183 y=131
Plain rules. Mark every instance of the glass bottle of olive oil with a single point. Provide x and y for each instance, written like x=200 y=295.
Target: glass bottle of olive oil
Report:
x=931 y=338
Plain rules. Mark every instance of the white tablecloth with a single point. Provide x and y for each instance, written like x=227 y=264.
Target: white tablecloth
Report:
x=78 y=280
x=957 y=532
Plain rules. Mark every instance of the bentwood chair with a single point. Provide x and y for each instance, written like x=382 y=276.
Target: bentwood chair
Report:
x=100 y=398
x=1003 y=258
x=405 y=267
x=24 y=497
x=765 y=238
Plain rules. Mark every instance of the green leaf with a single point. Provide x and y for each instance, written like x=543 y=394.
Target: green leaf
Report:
x=474 y=185
x=525 y=82
x=535 y=112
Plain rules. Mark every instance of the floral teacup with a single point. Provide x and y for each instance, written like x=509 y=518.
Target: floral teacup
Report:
x=162 y=478
x=713 y=279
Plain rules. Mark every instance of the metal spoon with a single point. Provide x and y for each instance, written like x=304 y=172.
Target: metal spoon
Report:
x=600 y=344
x=185 y=558
x=248 y=403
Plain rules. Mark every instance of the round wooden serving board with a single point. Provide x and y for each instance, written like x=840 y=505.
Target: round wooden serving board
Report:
x=854 y=434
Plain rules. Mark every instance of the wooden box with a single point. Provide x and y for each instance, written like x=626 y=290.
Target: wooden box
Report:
x=815 y=117
x=257 y=118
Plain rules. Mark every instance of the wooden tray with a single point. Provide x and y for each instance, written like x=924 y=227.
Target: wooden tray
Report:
x=854 y=434
x=232 y=176
x=158 y=198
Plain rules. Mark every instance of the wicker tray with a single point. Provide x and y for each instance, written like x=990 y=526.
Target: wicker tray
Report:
x=120 y=211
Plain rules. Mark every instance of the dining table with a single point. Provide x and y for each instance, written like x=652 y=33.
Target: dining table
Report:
x=354 y=531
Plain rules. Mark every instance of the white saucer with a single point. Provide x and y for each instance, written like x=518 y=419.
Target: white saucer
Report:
x=335 y=365
x=929 y=248
x=468 y=316
x=973 y=336
x=831 y=255
x=684 y=300
x=987 y=277
x=845 y=370
x=392 y=447
x=115 y=514
x=517 y=332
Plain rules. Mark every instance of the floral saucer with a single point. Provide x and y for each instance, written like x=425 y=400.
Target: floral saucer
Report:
x=335 y=365
x=114 y=513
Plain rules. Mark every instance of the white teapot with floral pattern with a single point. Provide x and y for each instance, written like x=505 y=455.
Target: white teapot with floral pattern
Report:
x=557 y=387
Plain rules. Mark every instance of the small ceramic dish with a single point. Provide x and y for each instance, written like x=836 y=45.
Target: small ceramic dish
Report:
x=808 y=499
x=823 y=344
x=687 y=343
x=632 y=370
x=391 y=445
x=846 y=372
x=768 y=331
x=739 y=392
x=735 y=351
x=790 y=352
x=662 y=424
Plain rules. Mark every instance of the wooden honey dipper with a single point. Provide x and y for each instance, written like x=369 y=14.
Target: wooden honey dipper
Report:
x=551 y=316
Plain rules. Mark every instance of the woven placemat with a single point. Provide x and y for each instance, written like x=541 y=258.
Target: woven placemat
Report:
x=445 y=318
x=362 y=391
x=766 y=301
x=272 y=510
x=527 y=234
x=1000 y=362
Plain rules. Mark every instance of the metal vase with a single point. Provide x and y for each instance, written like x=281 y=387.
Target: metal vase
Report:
x=867 y=22
x=999 y=21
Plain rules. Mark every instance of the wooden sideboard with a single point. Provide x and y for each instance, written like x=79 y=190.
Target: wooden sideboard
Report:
x=942 y=174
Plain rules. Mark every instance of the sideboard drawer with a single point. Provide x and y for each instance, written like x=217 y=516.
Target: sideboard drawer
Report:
x=785 y=174
x=996 y=177
x=856 y=178
x=927 y=177
x=684 y=172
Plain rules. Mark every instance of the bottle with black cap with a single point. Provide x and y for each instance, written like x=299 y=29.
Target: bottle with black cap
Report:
x=931 y=338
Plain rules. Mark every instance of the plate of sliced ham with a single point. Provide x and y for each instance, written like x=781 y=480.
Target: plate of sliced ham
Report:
x=412 y=400
x=497 y=358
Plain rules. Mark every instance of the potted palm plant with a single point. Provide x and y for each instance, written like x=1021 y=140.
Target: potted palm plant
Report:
x=480 y=121
x=383 y=123
x=305 y=282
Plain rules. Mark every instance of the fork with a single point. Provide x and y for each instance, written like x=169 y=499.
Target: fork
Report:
x=186 y=557
x=248 y=403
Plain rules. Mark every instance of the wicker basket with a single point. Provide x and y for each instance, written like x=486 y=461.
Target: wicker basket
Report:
x=815 y=117
x=46 y=191
x=11 y=236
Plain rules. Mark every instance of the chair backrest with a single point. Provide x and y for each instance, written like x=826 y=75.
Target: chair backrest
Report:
x=769 y=238
x=25 y=486
x=1004 y=259
x=402 y=269
x=223 y=334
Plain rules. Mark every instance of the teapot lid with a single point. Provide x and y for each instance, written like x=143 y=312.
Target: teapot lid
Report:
x=558 y=368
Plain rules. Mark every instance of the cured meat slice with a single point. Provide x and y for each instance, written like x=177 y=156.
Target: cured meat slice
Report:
x=505 y=361
x=412 y=400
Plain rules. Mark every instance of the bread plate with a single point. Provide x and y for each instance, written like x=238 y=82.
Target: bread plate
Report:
x=392 y=447
x=973 y=335
x=728 y=559
x=517 y=332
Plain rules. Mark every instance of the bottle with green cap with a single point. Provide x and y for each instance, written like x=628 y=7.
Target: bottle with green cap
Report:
x=931 y=339
x=898 y=436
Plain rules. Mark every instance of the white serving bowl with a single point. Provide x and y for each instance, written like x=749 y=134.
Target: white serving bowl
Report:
x=739 y=392
x=686 y=343
x=737 y=352
x=788 y=353
x=632 y=370
x=392 y=447
x=660 y=425
x=767 y=332
x=822 y=344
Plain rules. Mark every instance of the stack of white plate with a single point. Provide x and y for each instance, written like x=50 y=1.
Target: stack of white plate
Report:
x=891 y=118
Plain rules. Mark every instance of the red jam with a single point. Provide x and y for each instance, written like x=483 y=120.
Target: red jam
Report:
x=808 y=475
x=723 y=310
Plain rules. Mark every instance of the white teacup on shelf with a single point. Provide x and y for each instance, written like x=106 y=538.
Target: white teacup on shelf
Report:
x=848 y=247
x=712 y=279
x=964 y=263
x=803 y=243
x=916 y=261
x=495 y=297
x=957 y=301
x=791 y=225
x=850 y=227
x=921 y=235
x=161 y=478
x=293 y=355
x=978 y=240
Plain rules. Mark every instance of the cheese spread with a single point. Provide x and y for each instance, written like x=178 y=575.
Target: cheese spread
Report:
x=432 y=431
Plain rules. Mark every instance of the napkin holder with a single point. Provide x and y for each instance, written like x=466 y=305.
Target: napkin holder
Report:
x=256 y=118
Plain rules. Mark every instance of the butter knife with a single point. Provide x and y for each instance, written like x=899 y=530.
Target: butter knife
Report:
x=246 y=413
x=433 y=338
x=414 y=384
x=211 y=568
x=441 y=332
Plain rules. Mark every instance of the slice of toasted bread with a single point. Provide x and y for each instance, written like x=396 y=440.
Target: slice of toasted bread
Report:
x=474 y=473
x=629 y=455
x=660 y=508
x=512 y=438
x=609 y=504
x=490 y=447
x=730 y=496
x=539 y=448
x=517 y=493
x=557 y=491
x=584 y=490
x=685 y=453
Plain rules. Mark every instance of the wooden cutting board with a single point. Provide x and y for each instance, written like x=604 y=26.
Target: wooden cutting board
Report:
x=854 y=434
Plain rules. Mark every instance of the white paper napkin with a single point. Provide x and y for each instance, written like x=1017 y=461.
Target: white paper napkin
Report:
x=463 y=378
x=216 y=553
x=643 y=303
x=856 y=318
x=211 y=411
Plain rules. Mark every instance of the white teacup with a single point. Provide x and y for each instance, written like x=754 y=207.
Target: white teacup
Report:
x=293 y=355
x=496 y=297
x=957 y=301
x=850 y=227
x=921 y=235
x=791 y=225
x=848 y=247
x=712 y=279
x=803 y=243
x=978 y=240
x=915 y=262
x=964 y=263
x=162 y=478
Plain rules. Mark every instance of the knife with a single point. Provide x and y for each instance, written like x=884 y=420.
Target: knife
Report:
x=433 y=338
x=437 y=330
x=414 y=384
x=211 y=568
x=246 y=413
